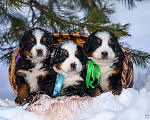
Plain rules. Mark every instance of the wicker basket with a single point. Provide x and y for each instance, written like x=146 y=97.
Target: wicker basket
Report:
x=127 y=73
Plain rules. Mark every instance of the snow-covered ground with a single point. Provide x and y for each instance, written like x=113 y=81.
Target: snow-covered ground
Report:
x=10 y=111
x=132 y=104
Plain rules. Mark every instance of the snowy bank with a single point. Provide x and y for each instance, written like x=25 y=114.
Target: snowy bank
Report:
x=10 y=111
x=130 y=105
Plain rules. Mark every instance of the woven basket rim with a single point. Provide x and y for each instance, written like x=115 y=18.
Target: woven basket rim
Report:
x=11 y=71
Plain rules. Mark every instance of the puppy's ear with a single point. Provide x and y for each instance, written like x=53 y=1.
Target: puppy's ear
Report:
x=21 y=43
x=55 y=56
x=116 y=45
x=83 y=54
x=86 y=46
x=23 y=40
x=50 y=39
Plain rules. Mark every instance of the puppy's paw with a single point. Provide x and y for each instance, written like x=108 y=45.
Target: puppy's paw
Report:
x=21 y=100
x=116 y=91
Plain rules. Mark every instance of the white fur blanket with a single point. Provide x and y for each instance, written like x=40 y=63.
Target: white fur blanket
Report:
x=60 y=108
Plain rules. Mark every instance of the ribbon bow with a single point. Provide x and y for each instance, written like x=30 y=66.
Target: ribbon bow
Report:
x=58 y=85
x=91 y=70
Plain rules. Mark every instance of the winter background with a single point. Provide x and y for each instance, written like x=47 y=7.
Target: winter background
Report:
x=132 y=104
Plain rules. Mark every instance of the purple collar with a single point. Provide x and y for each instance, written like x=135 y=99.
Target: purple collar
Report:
x=18 y=57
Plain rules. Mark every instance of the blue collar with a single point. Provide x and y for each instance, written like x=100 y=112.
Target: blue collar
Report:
x=58 y=85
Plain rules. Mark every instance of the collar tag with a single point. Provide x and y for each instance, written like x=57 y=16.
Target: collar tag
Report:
x=18 y=57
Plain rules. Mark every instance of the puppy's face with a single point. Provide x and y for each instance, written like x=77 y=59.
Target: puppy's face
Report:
x=68 y=57
x=102 y=46
x=36 y=44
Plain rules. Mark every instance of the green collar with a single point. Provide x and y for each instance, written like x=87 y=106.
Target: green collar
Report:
x=91 y=73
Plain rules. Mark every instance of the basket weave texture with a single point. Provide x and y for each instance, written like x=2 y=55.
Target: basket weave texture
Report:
x=127 y=72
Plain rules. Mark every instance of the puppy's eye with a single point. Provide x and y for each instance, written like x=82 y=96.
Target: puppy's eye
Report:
x=110 y=42
x=32 y=40
x=98 y=41
x=44 y=39
x=65 y=52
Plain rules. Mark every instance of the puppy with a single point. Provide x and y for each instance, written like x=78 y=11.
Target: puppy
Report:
x=69 y=60
x=31 y=62
x=103 y=48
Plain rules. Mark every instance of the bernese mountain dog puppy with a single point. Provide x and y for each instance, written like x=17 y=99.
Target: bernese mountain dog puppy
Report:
x=69 y=60
x=32 y=64
x=103 y=48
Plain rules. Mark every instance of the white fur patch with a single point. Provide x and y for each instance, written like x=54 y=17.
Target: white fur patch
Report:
x=71 y=47
x=31 y=76
x=69 y=79
x=106 y=71
x=38 y=34
x=72 y=80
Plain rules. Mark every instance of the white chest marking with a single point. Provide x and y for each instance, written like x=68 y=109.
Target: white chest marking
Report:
x=71 y=80
x=32 y=76
x=106 y=71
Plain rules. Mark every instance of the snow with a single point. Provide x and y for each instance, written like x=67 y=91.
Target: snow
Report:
x=131 y=104
x=10 y=111
x=127 y=106
x=147 y=82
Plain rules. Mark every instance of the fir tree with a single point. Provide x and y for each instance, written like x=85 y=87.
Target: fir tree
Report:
x=67 y=16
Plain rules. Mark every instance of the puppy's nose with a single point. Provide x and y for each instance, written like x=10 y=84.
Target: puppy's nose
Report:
x=39 y=51
x=104 y=54
x=73 y=66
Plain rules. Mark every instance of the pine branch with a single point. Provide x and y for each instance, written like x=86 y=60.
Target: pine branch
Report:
x=139 y=58
x=7 y=55
x=128 y=3
x=50 y=14
x=61 y=16
x=12 y=5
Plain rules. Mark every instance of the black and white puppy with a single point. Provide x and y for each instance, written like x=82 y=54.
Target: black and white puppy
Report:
x=69 y=60
x=103 y=48
x=31 y=65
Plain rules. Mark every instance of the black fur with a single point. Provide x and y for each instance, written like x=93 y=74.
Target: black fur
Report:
x=24 y=63
x=114 y=80
x=79 y=90
x=47 y=84
x=26 y=44
x=91 y=44
x=59 y=57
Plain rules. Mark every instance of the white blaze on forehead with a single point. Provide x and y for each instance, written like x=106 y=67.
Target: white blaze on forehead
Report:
x=104 y=36
x=71 y=47
x=38 y=34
